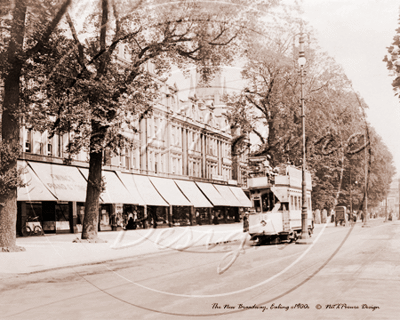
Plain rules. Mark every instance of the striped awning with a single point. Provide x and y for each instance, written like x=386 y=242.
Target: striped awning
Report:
x=193 y=193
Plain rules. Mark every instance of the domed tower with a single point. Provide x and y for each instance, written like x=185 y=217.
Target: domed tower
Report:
x=211 y=91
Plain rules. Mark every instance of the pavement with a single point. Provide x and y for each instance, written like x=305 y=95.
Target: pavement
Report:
x=54 y=251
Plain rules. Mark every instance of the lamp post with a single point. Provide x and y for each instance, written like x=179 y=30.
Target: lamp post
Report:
x=304 y=225
x=356 y=187
x=365 y=224
x=351 y=196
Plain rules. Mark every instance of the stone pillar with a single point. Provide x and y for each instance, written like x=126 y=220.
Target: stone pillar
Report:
x=324 y=216
x=317 y=216
x=185 y=162
x=143 y=145
x=144 y=217
x=191 y=214
x=23 y=218
x=169 y=215
x=74 y=216
x=219 y=152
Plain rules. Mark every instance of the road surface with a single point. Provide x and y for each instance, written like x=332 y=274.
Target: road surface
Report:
x=347 y=273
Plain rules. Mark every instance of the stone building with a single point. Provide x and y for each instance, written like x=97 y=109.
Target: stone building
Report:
x=180 y=165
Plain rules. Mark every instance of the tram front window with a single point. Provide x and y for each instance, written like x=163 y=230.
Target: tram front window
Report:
x=257 y=205
x=267 y=201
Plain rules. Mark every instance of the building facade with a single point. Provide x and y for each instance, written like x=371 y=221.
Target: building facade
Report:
x=177 y=172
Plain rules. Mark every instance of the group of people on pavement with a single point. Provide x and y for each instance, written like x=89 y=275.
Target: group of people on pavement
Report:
x=323 y=217
x=134 y=222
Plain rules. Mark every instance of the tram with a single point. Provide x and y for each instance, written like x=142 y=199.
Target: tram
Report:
x=277 y=200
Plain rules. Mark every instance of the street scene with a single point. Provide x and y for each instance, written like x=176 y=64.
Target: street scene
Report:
x=346 y=274
x=199 y=159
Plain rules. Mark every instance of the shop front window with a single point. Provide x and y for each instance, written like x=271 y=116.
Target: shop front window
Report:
x=62 y=217
x=105 y=220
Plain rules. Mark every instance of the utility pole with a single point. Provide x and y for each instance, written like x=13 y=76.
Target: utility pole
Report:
x=351 y=196
x=365 y=224
x=305 y=237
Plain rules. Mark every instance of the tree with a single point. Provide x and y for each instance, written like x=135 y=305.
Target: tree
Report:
x=335 y=121
x=99 y=97
x=381 y=173
x=28 y=26
x=393 y=61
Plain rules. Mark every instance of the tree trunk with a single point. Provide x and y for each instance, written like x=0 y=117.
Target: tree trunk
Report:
x=93 y=190
x=94 y=185
x=10 y=126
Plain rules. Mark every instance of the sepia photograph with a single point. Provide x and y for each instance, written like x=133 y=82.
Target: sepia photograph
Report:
x=199 y=159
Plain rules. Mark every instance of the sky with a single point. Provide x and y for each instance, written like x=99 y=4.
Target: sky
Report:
x=356 y=33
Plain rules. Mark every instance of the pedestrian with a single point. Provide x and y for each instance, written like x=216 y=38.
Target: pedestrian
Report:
x=246 y=222
x=131 y=224
x=198 y=219
x=215 y=220
x=154 y=218
x=144 y=221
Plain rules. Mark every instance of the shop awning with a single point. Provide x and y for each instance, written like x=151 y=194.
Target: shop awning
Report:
x=127 y=180
x=65 y=182
x=241 y=196
x=228 y=195
x=115 y=191
x=170 y=191
x=193 y=193
x=34 y=189
x=147 y=191
x=212 y=194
